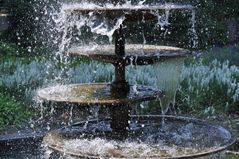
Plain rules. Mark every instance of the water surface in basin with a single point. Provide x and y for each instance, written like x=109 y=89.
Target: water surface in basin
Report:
x=148 y=137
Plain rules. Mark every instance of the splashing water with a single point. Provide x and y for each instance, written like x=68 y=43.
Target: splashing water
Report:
x=163 y=20
x=181 y=137
x=193 y=30
x=72 y=27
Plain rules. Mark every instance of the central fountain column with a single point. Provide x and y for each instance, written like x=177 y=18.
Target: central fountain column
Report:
x=120 y=87
x=119 y=83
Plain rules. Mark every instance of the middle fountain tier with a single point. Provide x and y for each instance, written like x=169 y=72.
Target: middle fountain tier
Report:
x=123 y=135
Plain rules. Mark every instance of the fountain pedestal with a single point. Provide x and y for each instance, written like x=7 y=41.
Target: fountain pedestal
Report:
x=120 y=118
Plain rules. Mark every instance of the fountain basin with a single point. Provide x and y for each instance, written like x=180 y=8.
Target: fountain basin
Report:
x=96 y=94
x=164 y=137
x=33 y=147
x=134 y=54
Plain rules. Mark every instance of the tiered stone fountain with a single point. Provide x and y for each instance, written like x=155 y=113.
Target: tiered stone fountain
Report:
x=123 y=135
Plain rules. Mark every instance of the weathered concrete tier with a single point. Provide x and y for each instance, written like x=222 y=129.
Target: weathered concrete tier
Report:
x=135 y=54
x=97 y=94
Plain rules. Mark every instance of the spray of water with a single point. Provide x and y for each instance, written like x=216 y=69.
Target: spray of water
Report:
x=193 y=30
x=70 y=27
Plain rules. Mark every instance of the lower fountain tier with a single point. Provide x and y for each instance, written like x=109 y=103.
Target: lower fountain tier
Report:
x=134 y=53
x=164 y=137
x=97 y=94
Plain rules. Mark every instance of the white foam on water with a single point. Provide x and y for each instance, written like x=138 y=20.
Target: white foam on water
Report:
x=111 y=148
x=104 y=148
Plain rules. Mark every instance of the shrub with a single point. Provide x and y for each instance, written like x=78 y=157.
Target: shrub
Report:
x=7 y=49
x=222 y=55
x=11 y=111
x=10 y=49
x=209 y=89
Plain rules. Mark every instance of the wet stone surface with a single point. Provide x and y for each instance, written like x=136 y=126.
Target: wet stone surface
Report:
x=96 y=94
x=135 y=54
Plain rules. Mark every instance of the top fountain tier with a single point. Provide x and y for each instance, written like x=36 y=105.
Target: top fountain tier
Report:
x=130 y=11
